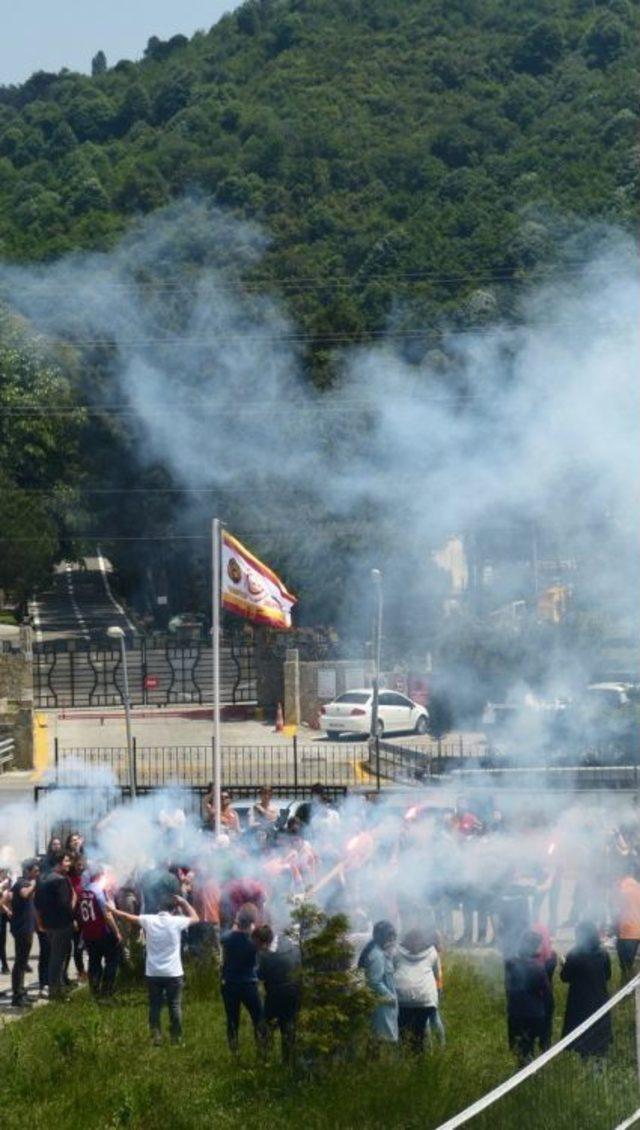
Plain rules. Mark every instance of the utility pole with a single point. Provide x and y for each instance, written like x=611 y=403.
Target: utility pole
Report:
x=376 y=577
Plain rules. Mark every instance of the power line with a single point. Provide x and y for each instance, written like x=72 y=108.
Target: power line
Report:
x=339 y=337
x=310 y=282
x=272 y=403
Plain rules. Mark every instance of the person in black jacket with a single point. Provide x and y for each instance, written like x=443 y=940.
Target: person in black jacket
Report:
x=23 y=924
x=279 y=971
x=55 y=905
x=529 y=999
x=586 y=970
x=240 y=976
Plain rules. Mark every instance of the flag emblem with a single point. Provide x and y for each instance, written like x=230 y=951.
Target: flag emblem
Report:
x=251 y=589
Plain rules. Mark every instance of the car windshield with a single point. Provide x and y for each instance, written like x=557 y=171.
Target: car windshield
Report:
x=354 y=696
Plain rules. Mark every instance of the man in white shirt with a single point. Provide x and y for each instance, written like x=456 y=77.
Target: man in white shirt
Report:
x=163 y=966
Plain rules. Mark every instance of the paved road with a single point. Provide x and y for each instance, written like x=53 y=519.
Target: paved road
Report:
x=80 y=603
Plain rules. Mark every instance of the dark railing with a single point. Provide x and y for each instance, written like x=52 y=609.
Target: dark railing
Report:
x=288 y=766
x=570 y=778
x=63 y=808
x=299 y=764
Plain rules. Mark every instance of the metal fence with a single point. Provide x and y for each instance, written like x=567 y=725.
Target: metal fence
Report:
x=61 y=809
x=72 y=673
x=288 y=766
x=577 y=778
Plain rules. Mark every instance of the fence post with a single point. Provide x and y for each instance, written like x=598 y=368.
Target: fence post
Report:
x=636 y=997
x=295 y=763
x=56 y=754
x=461 y=746
x=134 y=746
x=377 y=763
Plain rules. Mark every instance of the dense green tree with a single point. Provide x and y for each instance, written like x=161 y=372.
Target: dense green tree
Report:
x=540 y=49
x=98 y=64
x=136 y=107
x=29 y=539
x=604 y=40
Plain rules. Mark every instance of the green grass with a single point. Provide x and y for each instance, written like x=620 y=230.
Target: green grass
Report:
x=83 y=1065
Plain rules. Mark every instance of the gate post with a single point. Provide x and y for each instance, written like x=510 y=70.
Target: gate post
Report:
x=377 y=763
x=295 y=763
x=134 y=766
x=143 y=672
x=72 y=682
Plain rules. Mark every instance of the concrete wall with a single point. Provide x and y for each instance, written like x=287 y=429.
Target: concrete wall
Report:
x=320 y=682
x=269 y=676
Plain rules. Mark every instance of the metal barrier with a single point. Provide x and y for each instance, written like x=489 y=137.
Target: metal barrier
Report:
x=61 y=808
x=349 y=764
x=564 y=778
x=289 y=766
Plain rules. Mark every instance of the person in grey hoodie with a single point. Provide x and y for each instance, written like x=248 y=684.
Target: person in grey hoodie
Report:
x=377 y=963
x=418 y=974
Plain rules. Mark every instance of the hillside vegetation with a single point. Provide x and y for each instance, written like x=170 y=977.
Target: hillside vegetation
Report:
x=412 y=162
x=399 y=146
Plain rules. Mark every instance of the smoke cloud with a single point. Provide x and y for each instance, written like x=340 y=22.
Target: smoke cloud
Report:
x=531 y=422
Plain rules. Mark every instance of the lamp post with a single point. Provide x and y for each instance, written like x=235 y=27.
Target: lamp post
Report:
x=376 y=577
x=117 y=633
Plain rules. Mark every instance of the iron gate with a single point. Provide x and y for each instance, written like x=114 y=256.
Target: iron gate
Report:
x=75 y=673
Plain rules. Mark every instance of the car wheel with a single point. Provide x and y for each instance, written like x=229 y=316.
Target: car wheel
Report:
x=422 y=725
x=333 y=735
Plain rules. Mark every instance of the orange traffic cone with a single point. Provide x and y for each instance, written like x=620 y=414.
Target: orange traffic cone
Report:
x=279 y=719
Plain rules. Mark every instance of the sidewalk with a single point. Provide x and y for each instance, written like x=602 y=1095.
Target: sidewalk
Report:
x=7 y=1012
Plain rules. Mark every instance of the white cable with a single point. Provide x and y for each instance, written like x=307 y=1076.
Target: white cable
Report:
x=532 y=1068
x=630 y=1121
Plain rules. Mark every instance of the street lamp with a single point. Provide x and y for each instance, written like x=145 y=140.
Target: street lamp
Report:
x=376 y=577
x=117 y=633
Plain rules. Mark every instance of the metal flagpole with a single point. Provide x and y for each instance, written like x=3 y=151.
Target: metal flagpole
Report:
x=215 y=641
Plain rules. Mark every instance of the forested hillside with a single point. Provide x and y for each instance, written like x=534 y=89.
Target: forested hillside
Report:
x=409 y=161
x=371 y=137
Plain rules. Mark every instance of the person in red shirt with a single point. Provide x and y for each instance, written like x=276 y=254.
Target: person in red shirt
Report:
x=101 y=936
x=236 y=893
x=204 y=936
x=76 y=872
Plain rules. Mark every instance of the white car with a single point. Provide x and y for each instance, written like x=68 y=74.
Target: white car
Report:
x=351 y=714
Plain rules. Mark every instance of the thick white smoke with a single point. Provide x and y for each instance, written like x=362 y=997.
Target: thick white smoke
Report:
x=536 y=419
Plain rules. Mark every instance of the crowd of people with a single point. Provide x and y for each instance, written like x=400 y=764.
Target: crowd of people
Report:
x=412 y=881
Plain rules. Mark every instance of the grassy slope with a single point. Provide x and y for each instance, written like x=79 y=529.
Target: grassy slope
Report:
x=81 y=1065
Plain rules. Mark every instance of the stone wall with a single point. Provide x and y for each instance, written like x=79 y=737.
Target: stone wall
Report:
x=16 y=693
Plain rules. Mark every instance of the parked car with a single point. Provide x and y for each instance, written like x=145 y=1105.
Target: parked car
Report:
x=351 y=714
x=611 y=695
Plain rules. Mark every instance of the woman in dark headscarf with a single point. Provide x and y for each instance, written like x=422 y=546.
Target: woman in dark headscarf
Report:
x=586 y=970
x=529 y=999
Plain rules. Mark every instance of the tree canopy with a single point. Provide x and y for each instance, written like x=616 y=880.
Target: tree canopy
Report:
x=405 y=159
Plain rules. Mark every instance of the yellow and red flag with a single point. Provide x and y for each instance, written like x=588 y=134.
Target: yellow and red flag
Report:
x=250 y=588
